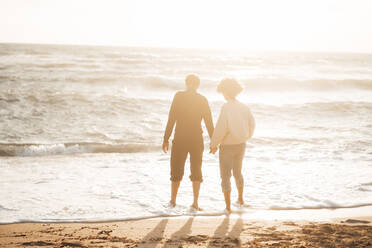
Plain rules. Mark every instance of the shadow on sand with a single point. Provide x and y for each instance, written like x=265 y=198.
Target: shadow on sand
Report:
x=181 y=234
x=221 y=237
x=155 y=236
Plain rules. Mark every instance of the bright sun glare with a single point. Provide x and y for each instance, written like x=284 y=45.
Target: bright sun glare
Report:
x=329 y=25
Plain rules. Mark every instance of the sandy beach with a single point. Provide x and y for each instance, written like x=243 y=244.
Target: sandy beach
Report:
x=286 y=228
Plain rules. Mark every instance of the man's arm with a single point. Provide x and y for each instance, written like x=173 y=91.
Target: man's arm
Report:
x=208 y=120
x=252 y=124
x=170 y=124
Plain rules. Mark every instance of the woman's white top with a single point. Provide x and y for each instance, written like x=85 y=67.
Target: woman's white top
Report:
x=235 y=124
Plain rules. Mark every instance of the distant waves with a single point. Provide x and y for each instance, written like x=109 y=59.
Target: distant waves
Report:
x=165 y=69
x=163 y=83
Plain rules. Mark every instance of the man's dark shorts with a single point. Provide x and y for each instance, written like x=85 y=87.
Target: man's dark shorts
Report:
x=180 y=149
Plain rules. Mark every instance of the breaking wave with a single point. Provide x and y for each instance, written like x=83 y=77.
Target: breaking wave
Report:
x=72 y=148
x=257 y=84
x=312 y=85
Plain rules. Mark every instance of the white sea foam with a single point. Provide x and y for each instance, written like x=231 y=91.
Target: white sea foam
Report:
x=129 y=186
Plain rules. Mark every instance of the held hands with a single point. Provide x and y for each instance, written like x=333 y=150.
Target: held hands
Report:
x=165 y=147
x=213 y=150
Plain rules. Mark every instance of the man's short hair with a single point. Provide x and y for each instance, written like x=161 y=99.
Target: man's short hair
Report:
x=229 y=87
x=192 y=80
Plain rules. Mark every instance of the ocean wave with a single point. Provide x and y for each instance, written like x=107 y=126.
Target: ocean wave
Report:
x=257 y=84
x=313 y=107
x=338 y=106
x=129 y=61
x=3 y=79
x=367 y=184
x=326 y=205
x=24 y=150
x=35 y=51
x=86 y=72
x=4 y=53
x=113 y=55
x=56 y=65
x=2 y=208
x=283 y=84
x=145 y=82
x=280 y=141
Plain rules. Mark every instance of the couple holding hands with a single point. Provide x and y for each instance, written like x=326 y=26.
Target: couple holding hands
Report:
x=234 y=127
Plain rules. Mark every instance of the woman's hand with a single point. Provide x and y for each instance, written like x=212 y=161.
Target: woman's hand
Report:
x=213 y=150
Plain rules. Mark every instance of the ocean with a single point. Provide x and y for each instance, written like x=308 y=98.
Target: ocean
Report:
x=81 y=129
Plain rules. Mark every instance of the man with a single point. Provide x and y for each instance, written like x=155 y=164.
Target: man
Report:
x=234 y=127
x=187 y=111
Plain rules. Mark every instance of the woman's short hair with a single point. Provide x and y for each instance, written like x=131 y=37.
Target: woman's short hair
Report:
x=229 y=87
x=192 y=80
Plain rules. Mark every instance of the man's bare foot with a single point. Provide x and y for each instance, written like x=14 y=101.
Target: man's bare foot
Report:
x=227 y=211
x=195 y=207
x=240 y=202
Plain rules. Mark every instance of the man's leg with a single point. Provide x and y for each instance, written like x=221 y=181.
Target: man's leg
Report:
x=175 y=186
x=196 y=189
x=177 y=162
x=226 y=194
x=196 y=157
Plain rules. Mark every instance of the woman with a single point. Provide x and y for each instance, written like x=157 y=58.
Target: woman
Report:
x=234 y=127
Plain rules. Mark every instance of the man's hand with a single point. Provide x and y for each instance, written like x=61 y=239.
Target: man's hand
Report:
x=213 y=150
x=165 y=147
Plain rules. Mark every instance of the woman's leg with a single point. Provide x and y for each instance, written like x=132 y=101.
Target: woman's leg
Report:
x=225 y=157
x=227 y=197
x=237 y=171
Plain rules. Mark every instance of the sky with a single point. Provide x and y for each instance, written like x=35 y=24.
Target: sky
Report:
x=262 y=25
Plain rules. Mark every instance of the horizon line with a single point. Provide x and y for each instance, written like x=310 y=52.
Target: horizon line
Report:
x=187 y=48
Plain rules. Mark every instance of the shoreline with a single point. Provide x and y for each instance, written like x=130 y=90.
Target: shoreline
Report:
x=310 y=214
x=263 y=228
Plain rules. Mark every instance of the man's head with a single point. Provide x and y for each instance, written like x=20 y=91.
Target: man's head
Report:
x=192 y=82
x=229 y=87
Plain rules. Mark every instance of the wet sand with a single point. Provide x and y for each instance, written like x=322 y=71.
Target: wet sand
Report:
x=198 y=231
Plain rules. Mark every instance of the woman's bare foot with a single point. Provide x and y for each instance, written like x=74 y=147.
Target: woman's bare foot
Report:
x=172 y=204
x=240 y=201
